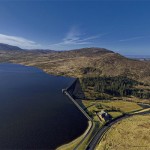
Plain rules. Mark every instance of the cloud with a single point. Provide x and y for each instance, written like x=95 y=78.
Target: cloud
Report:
x=75 y=38
x=18 y=41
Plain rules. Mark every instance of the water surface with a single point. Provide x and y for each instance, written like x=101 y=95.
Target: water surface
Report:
x=34 y=114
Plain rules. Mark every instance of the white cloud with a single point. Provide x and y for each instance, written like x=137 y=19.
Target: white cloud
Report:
x=18 y=41
x=75 y=38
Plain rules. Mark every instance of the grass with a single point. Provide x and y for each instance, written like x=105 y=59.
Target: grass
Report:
x=92 y=106
x=114 y=108
x=94 y=130
x=124 y=106
x=132 y=134
x=87 y=103
x=72 y=63
x=137 y=100
x=115 y=114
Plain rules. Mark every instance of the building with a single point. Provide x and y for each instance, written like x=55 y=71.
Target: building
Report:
x=104 y=116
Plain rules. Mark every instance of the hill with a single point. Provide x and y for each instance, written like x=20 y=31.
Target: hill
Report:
x=81 y=63
x=8 y=47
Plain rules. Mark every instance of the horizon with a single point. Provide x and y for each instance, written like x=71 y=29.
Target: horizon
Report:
x=120 y=26
x=128 y=56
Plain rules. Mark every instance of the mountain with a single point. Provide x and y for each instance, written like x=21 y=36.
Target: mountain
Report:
x=8 y=47
x=81 y=63
x=140 y=57
x=11 y=47
x=86 y=52
x=41 y=51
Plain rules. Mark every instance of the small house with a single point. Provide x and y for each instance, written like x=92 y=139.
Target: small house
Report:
x=104 y=116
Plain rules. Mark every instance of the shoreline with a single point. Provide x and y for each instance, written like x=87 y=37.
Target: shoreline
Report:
x=71 y=145
x=79 y=140
x=88 y=123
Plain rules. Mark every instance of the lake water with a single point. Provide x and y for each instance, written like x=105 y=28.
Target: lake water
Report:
x=34 y=114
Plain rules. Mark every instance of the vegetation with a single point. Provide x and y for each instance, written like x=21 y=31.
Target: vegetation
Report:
x=80 y=63
x=114 y=108
x=103 y=74
x=119 y=86
x=94 y=130
x=122 y=106
x=131 y=133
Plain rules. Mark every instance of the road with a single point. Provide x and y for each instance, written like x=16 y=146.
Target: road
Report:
x=104 y=129
x=77 y=105
x=144 y=105
x=84 y=113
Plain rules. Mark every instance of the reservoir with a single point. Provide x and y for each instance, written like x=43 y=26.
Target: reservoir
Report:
x=34 y=114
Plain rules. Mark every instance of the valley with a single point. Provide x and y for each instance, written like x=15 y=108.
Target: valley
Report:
x=107 y=81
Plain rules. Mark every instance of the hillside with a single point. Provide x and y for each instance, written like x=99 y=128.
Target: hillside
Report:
x=81 y=63
x=8 y=47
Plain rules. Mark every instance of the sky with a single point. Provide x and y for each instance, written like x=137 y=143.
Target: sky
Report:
x=119 y=25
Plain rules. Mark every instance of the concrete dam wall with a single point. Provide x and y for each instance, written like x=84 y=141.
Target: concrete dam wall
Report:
x=75 y=90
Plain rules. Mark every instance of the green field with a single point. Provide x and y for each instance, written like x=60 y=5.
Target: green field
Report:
x=114 y=108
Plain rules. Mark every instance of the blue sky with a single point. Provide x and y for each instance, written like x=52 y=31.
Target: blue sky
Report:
x=122 y=26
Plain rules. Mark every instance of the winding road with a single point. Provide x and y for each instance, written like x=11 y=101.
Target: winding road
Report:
x=97 y=138
x=99 y=135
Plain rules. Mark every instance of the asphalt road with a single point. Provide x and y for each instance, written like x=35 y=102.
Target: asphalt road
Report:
x=104 y=129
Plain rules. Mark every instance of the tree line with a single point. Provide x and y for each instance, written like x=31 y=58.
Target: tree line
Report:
x=115 y=86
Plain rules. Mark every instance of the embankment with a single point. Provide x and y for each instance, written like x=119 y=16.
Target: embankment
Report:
x=71 y=92
x=75 y=90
